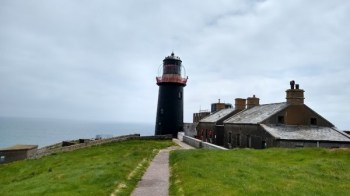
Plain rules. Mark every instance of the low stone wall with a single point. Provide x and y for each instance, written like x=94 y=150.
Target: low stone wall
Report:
x=180 y=136
x=157 y=137
x=49 y=150
x=56 y=148
x=312 y=144
x=200 y=144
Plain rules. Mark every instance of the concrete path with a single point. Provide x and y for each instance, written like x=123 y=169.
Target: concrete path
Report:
x=155 y=181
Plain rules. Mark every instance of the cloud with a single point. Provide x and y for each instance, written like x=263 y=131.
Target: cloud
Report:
x=98 y=60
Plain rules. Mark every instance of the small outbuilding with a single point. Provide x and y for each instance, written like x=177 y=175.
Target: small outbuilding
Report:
x=17 y=152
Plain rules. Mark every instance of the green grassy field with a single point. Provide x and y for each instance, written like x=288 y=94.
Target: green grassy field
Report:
x=260 y=172
x=99 y=170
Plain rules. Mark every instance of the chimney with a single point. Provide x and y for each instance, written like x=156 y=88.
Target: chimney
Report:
x=240 y=104
x=295 y=95
x=252 y=101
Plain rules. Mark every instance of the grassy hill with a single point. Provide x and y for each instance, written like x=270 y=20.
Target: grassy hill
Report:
x=117 y=167
x=261 y=172
x=99 y=170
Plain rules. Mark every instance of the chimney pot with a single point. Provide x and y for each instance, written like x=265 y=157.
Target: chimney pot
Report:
x=297 y=86
x=292 y=83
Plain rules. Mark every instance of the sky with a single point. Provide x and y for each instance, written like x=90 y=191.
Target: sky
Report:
x=98 y=59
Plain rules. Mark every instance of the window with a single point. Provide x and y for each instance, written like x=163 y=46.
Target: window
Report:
x=249 y=141
x=2 y=159
x=180 y=95
x=299 y=145
x=161 y=111
x=238 y=140
x=280 y=119
x=230 y=137
x=313 y=121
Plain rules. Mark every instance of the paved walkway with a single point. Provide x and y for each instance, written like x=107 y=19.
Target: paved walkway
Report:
x=156 y=179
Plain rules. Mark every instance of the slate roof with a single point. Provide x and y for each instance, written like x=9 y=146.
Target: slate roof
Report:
x=217 y=115
x=293 y=132
x=256 y=114
x=19 y=147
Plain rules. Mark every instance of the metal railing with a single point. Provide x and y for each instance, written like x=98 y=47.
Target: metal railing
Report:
x=173 y=78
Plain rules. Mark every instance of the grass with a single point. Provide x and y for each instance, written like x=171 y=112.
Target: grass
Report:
x=99 y=170
x=260 y=172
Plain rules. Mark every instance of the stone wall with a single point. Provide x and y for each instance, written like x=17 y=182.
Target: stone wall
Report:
x=313 y=144
x=200 y=144
x=247 y=136
x=190 y=129
x=156 y=137
x=13 y=155
x=17 y=153
x=56 y=148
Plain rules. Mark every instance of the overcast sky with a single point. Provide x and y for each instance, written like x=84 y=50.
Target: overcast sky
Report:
x=97 y=60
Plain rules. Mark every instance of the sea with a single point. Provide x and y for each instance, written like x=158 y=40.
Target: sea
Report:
x=43 y=132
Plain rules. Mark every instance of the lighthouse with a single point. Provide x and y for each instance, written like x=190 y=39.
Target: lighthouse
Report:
x=171 y=82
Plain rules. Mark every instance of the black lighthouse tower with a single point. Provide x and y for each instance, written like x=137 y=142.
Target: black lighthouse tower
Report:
x=170 y=97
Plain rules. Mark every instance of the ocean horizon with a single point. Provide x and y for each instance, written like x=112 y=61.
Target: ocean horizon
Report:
x=43 y=131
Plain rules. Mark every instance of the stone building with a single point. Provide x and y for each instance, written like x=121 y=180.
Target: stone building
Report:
x=288 y=124
x=190 y=129
x=17 y=152
x=200 y=115
x=211 y=128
